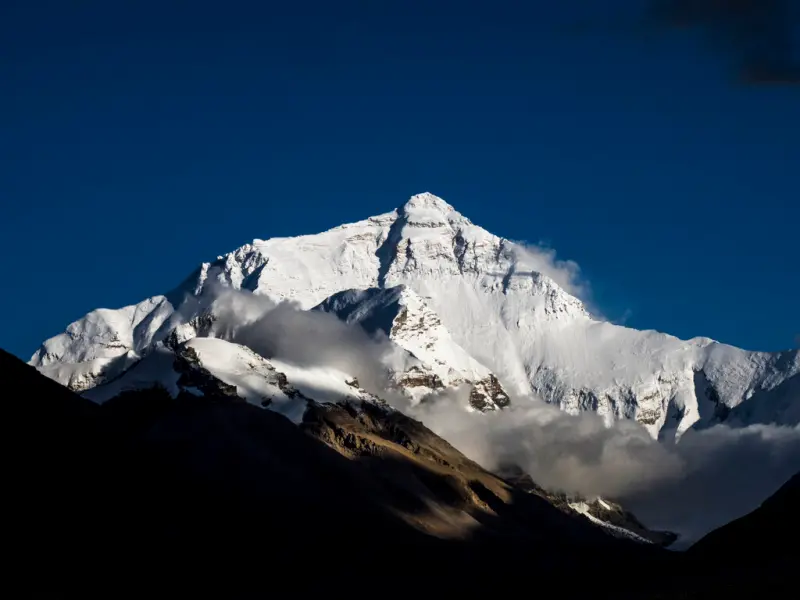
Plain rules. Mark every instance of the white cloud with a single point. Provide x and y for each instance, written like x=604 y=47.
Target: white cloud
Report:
x=566 y=273
x=301 y=337
x=708 y=479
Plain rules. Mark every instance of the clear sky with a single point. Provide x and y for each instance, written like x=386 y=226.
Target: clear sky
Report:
x=138 y=139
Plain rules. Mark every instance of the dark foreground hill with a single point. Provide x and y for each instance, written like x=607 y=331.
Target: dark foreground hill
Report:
x=210 y=494
x=769 y=534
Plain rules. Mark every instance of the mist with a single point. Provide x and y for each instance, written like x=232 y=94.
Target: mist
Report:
x=707 y=479
x=284 y=331
x=541 y=259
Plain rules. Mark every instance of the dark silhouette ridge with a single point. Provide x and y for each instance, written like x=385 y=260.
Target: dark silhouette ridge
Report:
x=766 y=535
x=212 y=494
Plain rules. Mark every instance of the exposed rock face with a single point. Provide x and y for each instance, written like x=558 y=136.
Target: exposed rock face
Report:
x=416 y=377
x=487 y=393
x=437 y=489
x=199 y=326
x=192 y=375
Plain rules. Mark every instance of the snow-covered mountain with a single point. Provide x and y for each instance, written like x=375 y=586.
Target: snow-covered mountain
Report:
x=467 y=308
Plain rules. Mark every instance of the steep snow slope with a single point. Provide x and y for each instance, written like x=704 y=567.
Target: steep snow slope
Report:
x=279 y=386
x=504 y=314
x=102 y=344
x=582 y=508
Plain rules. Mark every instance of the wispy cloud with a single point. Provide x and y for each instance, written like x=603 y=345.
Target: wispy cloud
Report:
x=567 y=274
x=542 y=259
x=624 y=318
x=707 y=479
x=301 y=337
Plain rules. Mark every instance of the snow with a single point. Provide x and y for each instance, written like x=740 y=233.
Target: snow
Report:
x=255 y=378
x=324 y=385
x=106 y=333
x=258 y=379
x=155 y=368
x=482 y=307
x=583 y=509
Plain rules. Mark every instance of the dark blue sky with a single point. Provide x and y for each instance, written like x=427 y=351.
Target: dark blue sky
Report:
x=138 y=139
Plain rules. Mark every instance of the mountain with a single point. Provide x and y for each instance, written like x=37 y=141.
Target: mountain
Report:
x=151 y=486
x=461 y=307
x=762 y=536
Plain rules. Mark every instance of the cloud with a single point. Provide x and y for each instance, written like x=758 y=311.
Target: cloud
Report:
x=305 y=338
x=567 y=274
x=542 y=259
x=757 y=35
x=706 y=480
x=576 y=454
x=624 y=318
x=726 y=473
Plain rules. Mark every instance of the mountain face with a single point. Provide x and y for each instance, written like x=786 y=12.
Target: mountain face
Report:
x=464 y=308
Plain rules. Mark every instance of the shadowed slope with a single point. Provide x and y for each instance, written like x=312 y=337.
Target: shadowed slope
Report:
x=198 y=492
x=764 y=535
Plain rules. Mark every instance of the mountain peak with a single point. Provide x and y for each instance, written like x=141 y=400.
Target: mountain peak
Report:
x=425 y=201
x=429 y=211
